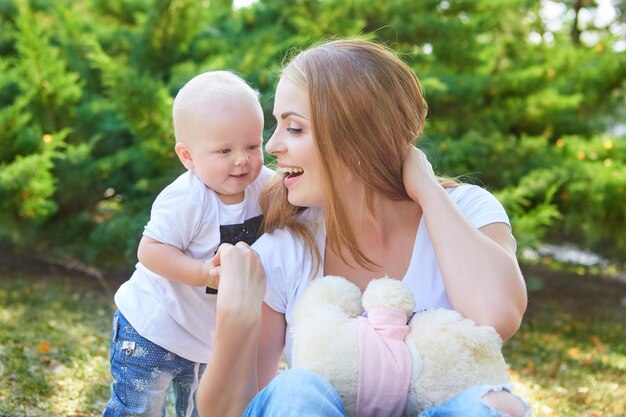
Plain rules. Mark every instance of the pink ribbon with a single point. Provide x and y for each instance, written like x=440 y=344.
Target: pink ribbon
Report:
x=384 y=364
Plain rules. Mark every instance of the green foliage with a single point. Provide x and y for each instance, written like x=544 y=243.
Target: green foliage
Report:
x=30 y=179
x=572 y=189
x=593 y=198
x=531 y=207
x=493 y=158
x=86 y=90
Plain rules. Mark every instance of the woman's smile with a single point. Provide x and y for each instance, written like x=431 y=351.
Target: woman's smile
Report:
x=292 y=174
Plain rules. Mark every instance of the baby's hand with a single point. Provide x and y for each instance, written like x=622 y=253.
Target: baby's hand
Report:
x=211 y=273
x=417 y=173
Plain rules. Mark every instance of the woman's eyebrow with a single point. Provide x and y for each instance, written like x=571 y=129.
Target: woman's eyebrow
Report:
x=292 y=113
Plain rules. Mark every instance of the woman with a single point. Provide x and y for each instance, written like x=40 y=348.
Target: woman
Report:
x=355 y=199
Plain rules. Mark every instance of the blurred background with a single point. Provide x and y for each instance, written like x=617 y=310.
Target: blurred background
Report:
x=526 y=98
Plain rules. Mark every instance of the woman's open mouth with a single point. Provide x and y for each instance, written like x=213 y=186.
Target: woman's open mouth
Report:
x=291 y=174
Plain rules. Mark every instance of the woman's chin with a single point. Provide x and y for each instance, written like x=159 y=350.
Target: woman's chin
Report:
x=295 y=201
x=301 y=201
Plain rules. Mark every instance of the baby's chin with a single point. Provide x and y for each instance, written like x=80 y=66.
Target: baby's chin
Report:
x=231 y=197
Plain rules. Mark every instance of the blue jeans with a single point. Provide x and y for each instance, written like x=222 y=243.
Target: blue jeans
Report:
x=143 y=372
x=297 y=392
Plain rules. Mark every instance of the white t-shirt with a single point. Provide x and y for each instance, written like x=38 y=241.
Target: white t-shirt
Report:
x=188 y=216
x=288 y=262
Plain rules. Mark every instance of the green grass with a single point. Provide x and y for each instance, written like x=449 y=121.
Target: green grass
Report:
x=54 y=335
x=568 y=359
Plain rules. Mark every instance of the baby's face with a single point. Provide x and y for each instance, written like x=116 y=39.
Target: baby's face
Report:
x=227 y=150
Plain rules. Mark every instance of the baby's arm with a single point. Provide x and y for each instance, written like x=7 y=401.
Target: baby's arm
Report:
x=171 y=263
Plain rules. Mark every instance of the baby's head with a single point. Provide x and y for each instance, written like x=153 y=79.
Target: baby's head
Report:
x=218 y=125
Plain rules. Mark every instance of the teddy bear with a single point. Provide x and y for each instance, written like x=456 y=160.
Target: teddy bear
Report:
x=438 y=354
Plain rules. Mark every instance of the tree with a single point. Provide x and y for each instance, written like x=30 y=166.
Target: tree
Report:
x=515 y=103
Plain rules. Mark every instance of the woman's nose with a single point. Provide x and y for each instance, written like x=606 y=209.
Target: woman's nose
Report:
x=274 y=145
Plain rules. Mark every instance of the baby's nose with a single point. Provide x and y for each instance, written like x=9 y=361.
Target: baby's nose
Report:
x=242 y=159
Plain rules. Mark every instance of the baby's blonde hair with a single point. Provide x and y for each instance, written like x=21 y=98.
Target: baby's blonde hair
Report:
x=204 y=94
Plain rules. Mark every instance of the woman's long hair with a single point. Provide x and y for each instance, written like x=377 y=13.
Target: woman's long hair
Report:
x=367 y=109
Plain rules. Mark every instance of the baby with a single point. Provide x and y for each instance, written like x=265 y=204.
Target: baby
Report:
x=164 y=327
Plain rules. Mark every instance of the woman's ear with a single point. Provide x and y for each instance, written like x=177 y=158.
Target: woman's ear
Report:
x=184 y=155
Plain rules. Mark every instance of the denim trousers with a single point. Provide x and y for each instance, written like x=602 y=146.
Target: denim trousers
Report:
x=297 y=392
x=143 y=373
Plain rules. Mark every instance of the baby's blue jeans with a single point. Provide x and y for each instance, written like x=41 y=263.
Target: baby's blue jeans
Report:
x=300 y=393
x=142 y=374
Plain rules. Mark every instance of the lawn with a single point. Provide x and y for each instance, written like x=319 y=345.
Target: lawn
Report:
x=568 y=359
x=54 y=353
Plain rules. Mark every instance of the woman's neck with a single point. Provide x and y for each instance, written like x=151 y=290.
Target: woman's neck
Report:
x=381 y=226
x=386 y=237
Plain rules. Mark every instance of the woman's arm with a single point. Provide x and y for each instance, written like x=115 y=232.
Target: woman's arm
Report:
x=230 y=379
x=249 y=340
x=478 y=266
x=271 y=344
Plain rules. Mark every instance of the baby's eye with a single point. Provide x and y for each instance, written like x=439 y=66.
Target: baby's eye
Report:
x=224 y=151
x=253 y=147
x=295 y=131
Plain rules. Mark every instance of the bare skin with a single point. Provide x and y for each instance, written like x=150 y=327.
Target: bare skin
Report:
x=170 y=262
x=237 y=333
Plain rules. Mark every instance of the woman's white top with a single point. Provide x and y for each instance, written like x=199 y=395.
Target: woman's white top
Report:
x=288 y=263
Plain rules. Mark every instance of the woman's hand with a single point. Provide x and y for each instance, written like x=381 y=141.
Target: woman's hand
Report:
x=230 y=379
x=241 y=282
x=417 y=174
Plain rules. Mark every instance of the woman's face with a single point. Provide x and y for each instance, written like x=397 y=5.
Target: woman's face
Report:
x=292 y=144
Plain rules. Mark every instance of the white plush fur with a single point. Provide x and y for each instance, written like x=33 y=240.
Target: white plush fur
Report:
x=450 y=353
x=456 y=353
x=325 y=339
x=387 y=292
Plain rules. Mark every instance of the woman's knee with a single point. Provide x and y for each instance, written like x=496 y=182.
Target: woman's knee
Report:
x=506 y=403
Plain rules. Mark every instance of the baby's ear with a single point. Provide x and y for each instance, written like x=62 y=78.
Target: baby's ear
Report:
x=184 y=155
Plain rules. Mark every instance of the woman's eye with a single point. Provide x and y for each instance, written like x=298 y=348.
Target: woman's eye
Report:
x=294 y=131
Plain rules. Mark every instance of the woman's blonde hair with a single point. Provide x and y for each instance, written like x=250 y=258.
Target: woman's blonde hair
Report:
x=367 y=109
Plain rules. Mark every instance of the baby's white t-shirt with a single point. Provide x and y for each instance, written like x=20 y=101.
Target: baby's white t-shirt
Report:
x=289 y=265
x=186 y=215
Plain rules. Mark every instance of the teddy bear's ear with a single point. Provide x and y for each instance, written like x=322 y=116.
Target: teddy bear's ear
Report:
x=388 y=292
x=331 y=290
